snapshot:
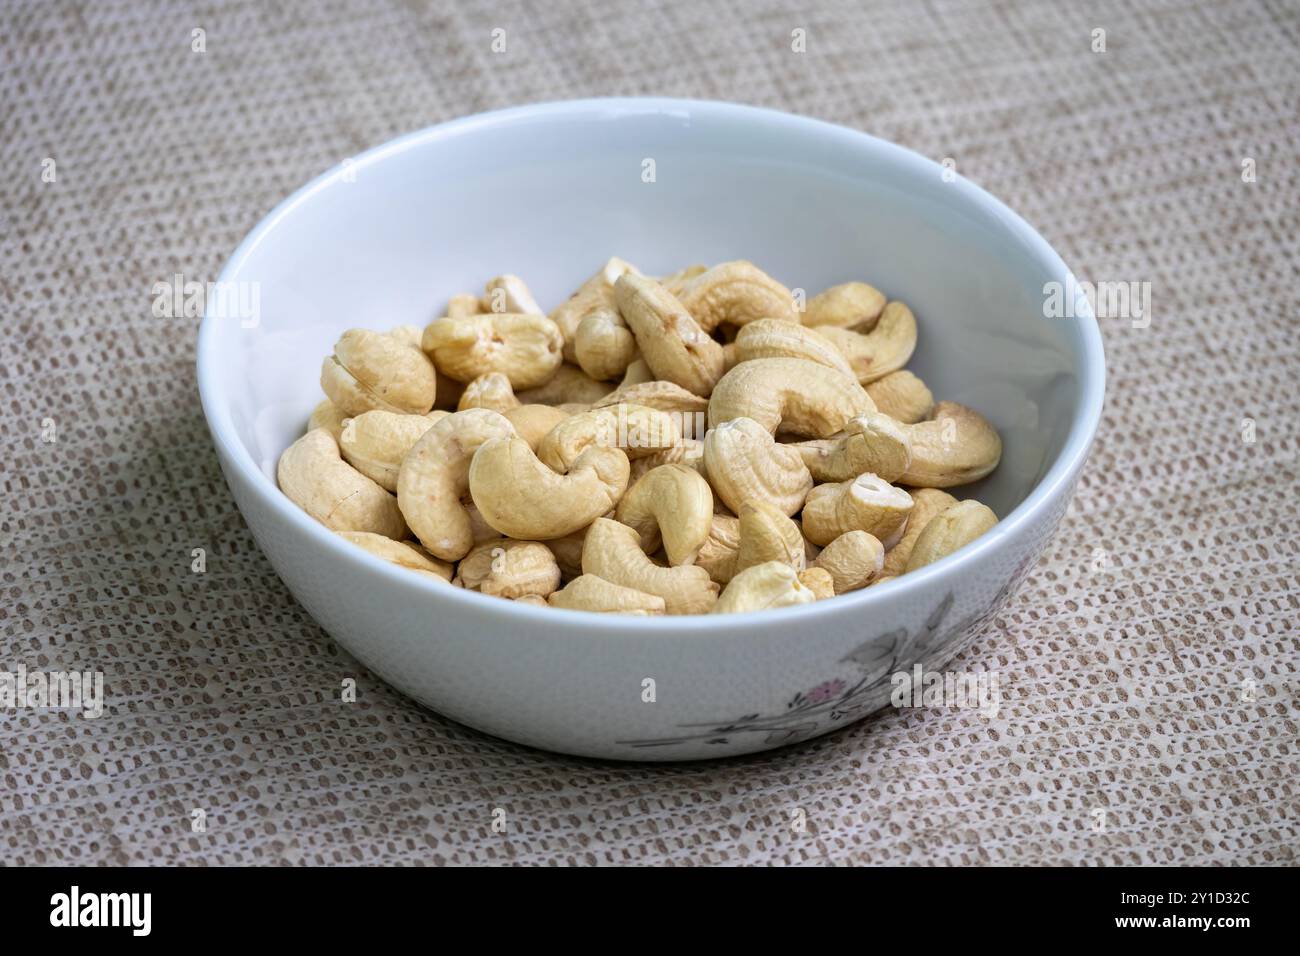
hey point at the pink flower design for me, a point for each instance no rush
(826, 691)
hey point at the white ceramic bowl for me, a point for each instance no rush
(548, 192)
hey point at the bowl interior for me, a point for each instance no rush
(550, 192)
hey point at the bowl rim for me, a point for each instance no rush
(1053, 484)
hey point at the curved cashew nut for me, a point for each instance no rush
(884, 349)
(867, 503)
(778, 338)
(852, 559)
(672, 503)
(603, 344)
(374, 443)
(853, 305)
(637, 430)
(403, 553)
(795, 394)
(595, 294)
(902, 396)
(761, 587)
(869, 443)
(665, 396)
(746, 465)
(322, 484)
(672, 344)
(534, 422)
(523, 498)
(525, 348)
(509, 293)
(613, 552)
(762, 533)
(510, 569)
(955, 447)
(590, 593)
(819, 581)
(569, 384)
(434, 476)
(374, 370)
(926, 504)
(947, 532)
(677, 281)
(491, 390)
(736, 293)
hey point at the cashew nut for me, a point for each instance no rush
(321, 483)
(510, 294)
(671, 503)
(746, 465)
(677, 281)
(510, 569)
(735, 293)
(884, 349)
(463, 304)
(762, 533)
(799, 396)
(926, 503)
(489, 391)
(853, 305)
(569, 384)
(637, 430)
(867, 503)
(326, 415)
(955, 447)
(522, 498)
(664, 396)
(638, 373)
(434, 476)
(613, 552)
(596, 294)
(947, 532)
(590, 593)
(778, 338)
(603, 344)
(526, 348)
(402, 553)
(869, 443)
(852, 559)
(763, 586)
(819, 581)
(672, 344)
(534, 422)
(374, 370)
(902, 396)
(374, 443)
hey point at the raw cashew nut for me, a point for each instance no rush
(534, 422)
(852, 559)
(568, 552)
(718, 552)
(853, 305)
(613, 552)
(510, 294)
(603, 344)
(569, 384)
(761, 587)
(672, 344)
(596, 294)
(326, 415)
(762, 533)
(884, 349)
(522, 498)
(746, 465)
(322, 484)
(434, 476)
(510, 569)
(526, 348)
(590, 593)
(638, 373)
(926, 504)
(869, 443)
(370, 370)
(402, 553)
(778, 338)
(902, 396)
(953, 529)
(799, 396)
(462, 304)
(489, 391)
(955, 447)
(637, 430)
(374, 443)
(677, 281)
(867, 503)
(819, 581)
(736, 293)
(664, 396)
(671, 503)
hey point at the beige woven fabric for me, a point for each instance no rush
(1148, 666)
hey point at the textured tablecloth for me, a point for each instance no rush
(1148, 665)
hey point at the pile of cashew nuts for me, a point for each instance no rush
(697, 443)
